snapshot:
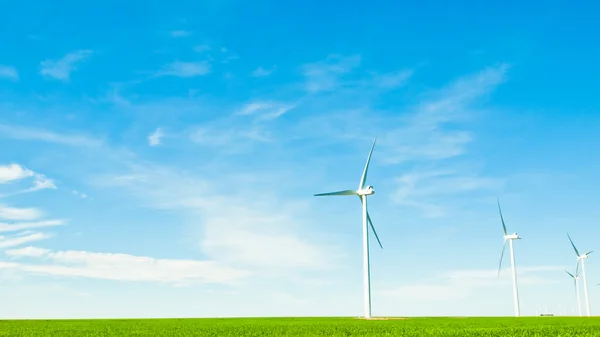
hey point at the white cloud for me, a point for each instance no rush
(61, 69)
(28, 251)
(228, 55)
(422, 135)
(252, 236)
(180, 33)
(324, 75)
(18, 240)
(13, 213)
(9, 72)
(35, 134)
(6, 265)
(186, 69)
(424, 141)
(237, 228)
(426, 189)
(80, 194)
(262, 72)
(125, 267)
(432, 135)
(12, 227)
(13, 172)
(232, 140)
(155, 137)
(265, 110)
(461, 284)
(41, 182)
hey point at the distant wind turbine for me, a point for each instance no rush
(362, 192)
(510, 239)
(581, 258)
(575, 279)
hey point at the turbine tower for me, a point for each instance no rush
(362, 192)
(581, 258)
(510, 239)
(576, 279)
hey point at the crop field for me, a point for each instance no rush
(489, 327)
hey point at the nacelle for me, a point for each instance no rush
(368, 190)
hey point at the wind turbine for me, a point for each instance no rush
(510, 239)
(575, 279)
(362, 192)
(581, 258)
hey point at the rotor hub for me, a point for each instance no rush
(368, 190)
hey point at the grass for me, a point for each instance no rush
(235, 327)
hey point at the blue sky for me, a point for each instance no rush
(160, 160)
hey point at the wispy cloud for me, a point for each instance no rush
(237, 228)
(325, 75)
(180, 33)
(424, 140)
(227, 219)
(6, 242)
(9, 72)
(265, 110)
(232, 140)
(28, 251)
(262, 72)
(80, 194)
(14, 213)
(40, 182)
(422, 135)
(233, 237)
(61, 69)
(461, 284)
(125, 267)
(28, 217)
(155, 137)
(234, 134)
(36, 134)
(13, 227)
(186, 69)
(432, 135)
(13, 172)
(425, 189)
(227, 55)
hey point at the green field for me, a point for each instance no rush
(489, 327)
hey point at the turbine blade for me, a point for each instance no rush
(572, 244)
(363, 179)
(588, 253)
(577, 268)
(502, 218)
(345, 192)
(574, 279)
(501, 255)
(374, 231)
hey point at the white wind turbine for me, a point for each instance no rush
(510, 238)
(362, 192)
(576, 279)
(581, 258)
